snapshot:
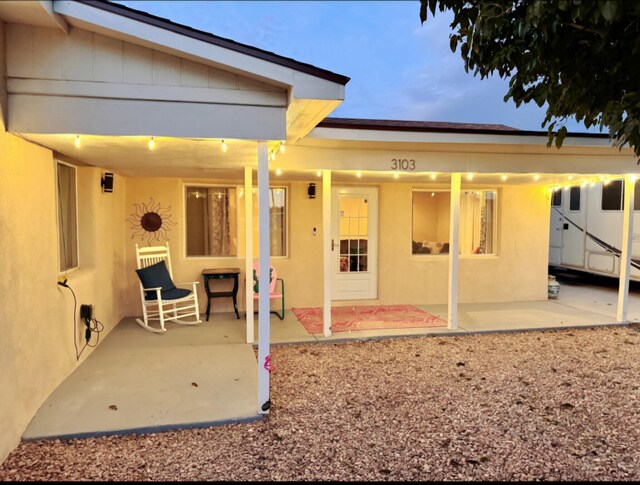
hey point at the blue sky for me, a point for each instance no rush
(399, 69)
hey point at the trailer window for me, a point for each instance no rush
(612, 196)
(556, 200)
(574, 199)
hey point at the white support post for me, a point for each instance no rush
(454, 236)
(627, 240)
(264, 315)
(327, 251)
(248, 251)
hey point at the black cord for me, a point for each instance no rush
(75, 319)
(93, 325)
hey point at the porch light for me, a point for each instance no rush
(358, 174)
(77, 142)
(223, 147)
(151, 144)
(504, 177)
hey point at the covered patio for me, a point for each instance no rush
(206, 375)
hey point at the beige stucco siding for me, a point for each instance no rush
(36, 348)
(518, 272)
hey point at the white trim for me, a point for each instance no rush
(75, 179)
(625, 254)
(454, 235)
(400, 136)
(248, 252)
(326, 252)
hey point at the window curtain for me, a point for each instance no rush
(217, 230)
(469, 223)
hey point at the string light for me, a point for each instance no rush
(272, 156)
(223, 146)
(433, 176)
(470, 176)
(504, 177)
(358, 174)
(282, 148)
(77, 141)
(151, 144)
(395, 175)
(570, 177)
(278, 171)
(319, 173)
(536, 177)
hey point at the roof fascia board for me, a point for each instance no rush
(508, 138)
(47, 6)
(124, 28)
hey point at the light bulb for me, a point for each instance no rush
(272, 156)
(570, 177)
(358, 174)
(319, 173)
(395, 175)
(433, 176)
(278, 171)
(470, 176)
(223, 147)
(504, 178)
(536, 177)
(77, 142)
(152, 144)
(282, 148)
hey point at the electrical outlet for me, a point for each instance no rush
(86, 312)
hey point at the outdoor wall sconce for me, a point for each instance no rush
(107, 182)
(311, 191)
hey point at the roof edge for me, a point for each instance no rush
(209, 38)
(420, 126)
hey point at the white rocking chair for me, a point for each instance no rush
(161, 299)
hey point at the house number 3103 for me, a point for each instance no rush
(403, 164)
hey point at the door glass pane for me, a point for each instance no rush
(354, 213)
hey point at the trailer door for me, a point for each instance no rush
(574, 226)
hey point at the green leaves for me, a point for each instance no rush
(576, 57)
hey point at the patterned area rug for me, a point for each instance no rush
(379, 317)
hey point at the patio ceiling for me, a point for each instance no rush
(204, 159)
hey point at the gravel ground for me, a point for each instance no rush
(557, 405)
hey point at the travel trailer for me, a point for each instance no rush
(586, 228)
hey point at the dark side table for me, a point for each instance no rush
(221, 274)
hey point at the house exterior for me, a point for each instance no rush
(199, 129)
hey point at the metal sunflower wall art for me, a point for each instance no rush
(151, 222)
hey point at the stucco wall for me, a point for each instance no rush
(37, 349)
(3, 76)
(518, 272)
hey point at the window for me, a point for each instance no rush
(556, 200)
(215, 221)
(574, 198)
(66, 190)
(612, 196)
(212, 228)
(478, 222)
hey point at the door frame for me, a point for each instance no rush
(372, 192)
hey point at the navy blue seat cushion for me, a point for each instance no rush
(173, 294)
(156, 276)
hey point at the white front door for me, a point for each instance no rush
(354, 242)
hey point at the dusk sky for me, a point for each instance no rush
(399, 69)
